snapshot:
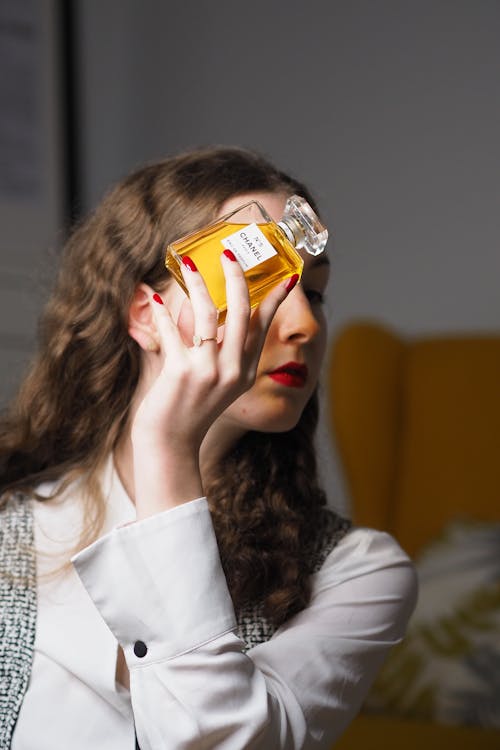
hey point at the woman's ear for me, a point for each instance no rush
(141, 324)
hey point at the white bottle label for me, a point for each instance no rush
(250, 246)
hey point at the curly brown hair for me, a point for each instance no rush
(74, 402)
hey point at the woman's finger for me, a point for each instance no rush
(185, 322)
(170, 337)
(263, 315)
(238, 307)
(204, 311)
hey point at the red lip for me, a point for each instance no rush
(291, 374)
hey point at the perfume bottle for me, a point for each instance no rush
(266, 250)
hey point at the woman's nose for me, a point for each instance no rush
(295, 317)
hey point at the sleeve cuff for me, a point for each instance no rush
(159, 583)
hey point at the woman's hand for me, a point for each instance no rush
(195, 385)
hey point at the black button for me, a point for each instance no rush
(140, 649)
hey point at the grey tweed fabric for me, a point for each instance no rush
(18, 607)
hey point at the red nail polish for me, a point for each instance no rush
(189, 263)
(291, 282)
(229, 254)
(157, 298)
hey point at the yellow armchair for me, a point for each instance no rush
(416, 424)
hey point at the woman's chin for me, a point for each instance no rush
(281, 421)
(265, 412)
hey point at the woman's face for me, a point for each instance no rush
(291, 359)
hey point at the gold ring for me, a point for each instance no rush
(198, 340)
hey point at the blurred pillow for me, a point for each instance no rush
(447, 669)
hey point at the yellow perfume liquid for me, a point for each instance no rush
(206, 246)
(266, 250)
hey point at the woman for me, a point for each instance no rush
(255, 619)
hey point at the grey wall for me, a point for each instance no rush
(31, 175)
(390, 109)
